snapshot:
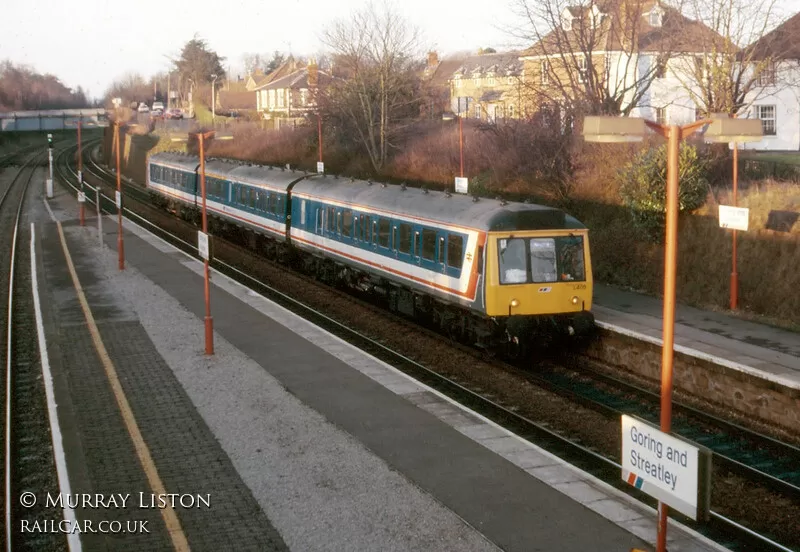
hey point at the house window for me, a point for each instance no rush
(304, 97)
(655, 17)
(477, 111)
(498, 111)
(661, 115)
(457, 82)
(510, 80)
(545, 72)
(661, 69)
(582, 68)
(477, 81)
(280, 97)
(767, 75)
(491, 81)
(767, 115)
(271, 98)
(510, 111)
(566, 23)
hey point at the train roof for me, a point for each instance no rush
(271, 177)
(456, 209)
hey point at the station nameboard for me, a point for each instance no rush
(735, 218)
(202, 245)
(461, 185)
(666, 467)
(320, 167)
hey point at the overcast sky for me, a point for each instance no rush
(92, 42)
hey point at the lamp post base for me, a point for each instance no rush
(121, 249)
(209, 335)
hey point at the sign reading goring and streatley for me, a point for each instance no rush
(666, 467)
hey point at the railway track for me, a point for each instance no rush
(27, 455)
(589, 457)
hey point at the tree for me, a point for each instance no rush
(197, 63)
(23, 88)
(131, 87)
(377, 51)
(725, 78)
(587, 57)
(643, 187)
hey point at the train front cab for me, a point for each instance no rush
(539, 282)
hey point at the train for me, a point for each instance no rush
(497, 274)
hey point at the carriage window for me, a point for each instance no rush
(303, 212)
(455, 250)
(383, 232)
(513, 261)
(405, 238)
(428, 244)
(367, 229)
(417, 244)
(339, 224)
(331, 224)
(543, 259)
(279, 208)
(570, 258)
(347, 223)
(394, 238)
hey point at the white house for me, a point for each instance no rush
(776, 101)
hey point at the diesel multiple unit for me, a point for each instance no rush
(488, 271)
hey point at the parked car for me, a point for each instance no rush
(173, 113)
(158, 106)
(143, 108)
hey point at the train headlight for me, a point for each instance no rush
(515, 303)
(575, 300)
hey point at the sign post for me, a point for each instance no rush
(667, 468)
(736, 218)
(49, 183)
(202, 245)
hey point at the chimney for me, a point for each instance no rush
(433, 60)
(313, 73)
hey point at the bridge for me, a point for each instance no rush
(52, 119)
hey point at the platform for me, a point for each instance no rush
(759, 350)
(301, 440)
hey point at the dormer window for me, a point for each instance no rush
(656, 15)
(566, 23)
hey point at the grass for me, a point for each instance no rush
(790, 157)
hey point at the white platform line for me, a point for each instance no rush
(73, 538)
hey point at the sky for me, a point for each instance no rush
(91, 43)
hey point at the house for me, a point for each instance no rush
(234, 96)
(775, 99)
(633, 54)
(436, 83)
(488, 87)
(287, 100)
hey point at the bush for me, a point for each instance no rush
(643, 187)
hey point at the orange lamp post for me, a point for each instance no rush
(203, 236)
(120, 242)
(628, 129)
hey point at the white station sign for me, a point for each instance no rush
(667, 468)
(320, 167)
(119, 200)
(202, 244)
(735, 218)
(462, 184)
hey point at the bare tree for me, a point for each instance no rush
(376, 50)
(726, 76)
(596, 57)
